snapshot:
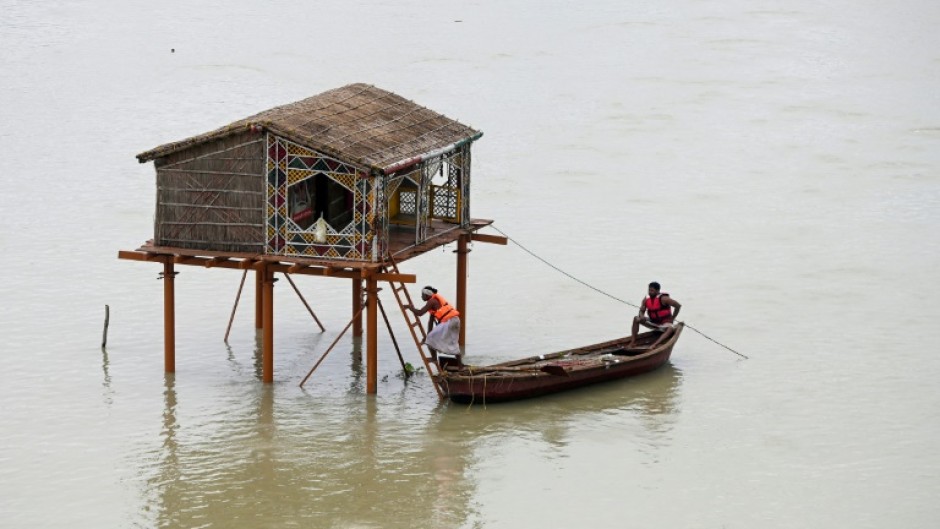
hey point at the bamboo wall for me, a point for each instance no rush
(211, 196)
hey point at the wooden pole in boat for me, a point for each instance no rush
(169, 317)
(267, 355)
(462, 286)
(259, 301)
(357, 306)
(235, 306)
(372, 347)
(304, 301)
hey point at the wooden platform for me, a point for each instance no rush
(401, 245)
(365, 276)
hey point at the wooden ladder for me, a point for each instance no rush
(418, 334)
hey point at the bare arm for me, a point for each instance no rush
(674, 304)
(431, 304)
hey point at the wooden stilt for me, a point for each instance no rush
(330, 348)
(267, 355)
(235, 306)
(357, 306)
(169, 318)
(388, 325)
(259, 301)
(304, 301)
(462, 286)
(372, 337)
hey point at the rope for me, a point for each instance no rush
(599, 291)
(717, 342)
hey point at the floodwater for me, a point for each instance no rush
(775, 165)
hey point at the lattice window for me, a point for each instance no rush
(445, 202)
(408, 201)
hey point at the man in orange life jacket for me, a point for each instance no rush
(443, 323)
(659, 314)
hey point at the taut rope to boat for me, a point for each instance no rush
(599, 291)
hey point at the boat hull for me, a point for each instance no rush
(556, 372)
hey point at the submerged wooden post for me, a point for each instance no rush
(357, 307)
(462, 286)
(267, 355)
(104, 336)
(372, 337)
(169, 318)
(259, 309)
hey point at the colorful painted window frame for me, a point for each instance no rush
(289, 163)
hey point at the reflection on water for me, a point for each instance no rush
(258, 355)
(274, 458)
(651, 399)
(254, 466)
(108, 391)
(167, 500)
(357, 366)
(356, 461)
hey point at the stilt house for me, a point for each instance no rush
(332, 177)
(347, 184)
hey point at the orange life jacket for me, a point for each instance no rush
(445, 312)
(658, 312)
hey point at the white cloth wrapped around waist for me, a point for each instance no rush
(444, 337)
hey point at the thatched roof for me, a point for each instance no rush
(358, 123)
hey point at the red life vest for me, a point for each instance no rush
(445, 312)
(658, 312)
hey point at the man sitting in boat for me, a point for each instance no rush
(443, 324)
(659, 314)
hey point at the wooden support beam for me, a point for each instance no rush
(267, 355)
(462, 252)
(235, 306)
(304, 301)
(214, 261)
(169, 318)
(396, 278)
(185, 259)
(357, 306)
(132, 256)
(391, 334)
(330, 348)
(141, 256)
(372, 337)
(272, 265)
(492, 239)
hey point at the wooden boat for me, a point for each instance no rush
(550, 373)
